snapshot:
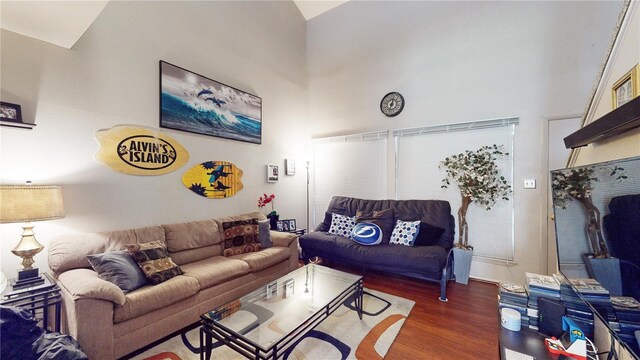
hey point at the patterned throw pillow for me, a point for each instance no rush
(342, 225)
(240, 237)
(405, 232)
(153, 259)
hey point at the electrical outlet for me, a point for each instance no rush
(529, 183)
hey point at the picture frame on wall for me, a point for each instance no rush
(10, 112)
(290, 167)
(194, 103)
(626, 88)
(272, 173)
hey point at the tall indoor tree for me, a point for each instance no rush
(477, 175)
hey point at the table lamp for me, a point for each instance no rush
(26, 203)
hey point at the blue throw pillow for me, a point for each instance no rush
(366, 234)
(118, 267)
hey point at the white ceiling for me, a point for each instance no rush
(313, 8)
(63, 22)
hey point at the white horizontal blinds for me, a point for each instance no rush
(353, 165)
(418, 154)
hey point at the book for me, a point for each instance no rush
(546, 282)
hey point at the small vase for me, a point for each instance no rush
(462, 264)
(273, 220)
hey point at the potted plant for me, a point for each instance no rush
(273, 215)
(577, 184)
(478, 178)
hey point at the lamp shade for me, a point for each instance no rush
(24, 203)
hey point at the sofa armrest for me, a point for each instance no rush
(86, 284)
(282, 239)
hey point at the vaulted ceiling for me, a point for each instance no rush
(63, 22)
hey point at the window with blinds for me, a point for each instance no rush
(418, 154)
(353, 165)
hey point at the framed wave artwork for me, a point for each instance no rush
(194, 103)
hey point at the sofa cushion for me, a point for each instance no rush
(70, 251)
(263, 259)
(318, 241)
(382, 218)
(149, 298)
(119, 268)
(153, 259)
(341, 225)
(405, 232)
(423, 259)
(191, 235)
(215, 270)
(240, 236)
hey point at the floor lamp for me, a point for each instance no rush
(24, 204)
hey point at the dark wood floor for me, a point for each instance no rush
(466, 327)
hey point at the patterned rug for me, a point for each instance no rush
(341, 336)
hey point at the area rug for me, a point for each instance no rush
(341, 336)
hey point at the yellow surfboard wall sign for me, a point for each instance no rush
(140, 151)
(214, 179)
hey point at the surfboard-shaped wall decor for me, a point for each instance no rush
(140, 151)
(214, 179)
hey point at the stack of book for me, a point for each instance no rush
(577, 309)
(514, 297)
(596, 295)
(627, 310)
(540, 286)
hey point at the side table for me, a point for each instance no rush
(37, 299)
(298, 231)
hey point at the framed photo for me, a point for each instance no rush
(10, 112)
(272, 173)
(285, 225)
(288, 288)
(272, 290)
(626, 88)
(290, 166)
(292, 225)
(279, 226)
(194, 103)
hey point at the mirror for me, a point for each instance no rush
(597, 219)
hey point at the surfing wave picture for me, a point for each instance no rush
(194, 103)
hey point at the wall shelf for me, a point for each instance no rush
(622, 119)
(18, 125)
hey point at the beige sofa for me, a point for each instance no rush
(109, 324)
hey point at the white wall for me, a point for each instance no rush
(459, 62)
(110, 77)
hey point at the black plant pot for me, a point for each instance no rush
(273, 220)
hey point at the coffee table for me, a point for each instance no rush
(268, 322)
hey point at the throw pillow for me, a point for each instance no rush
(240, 237)
(366, 234)
(263, 232)
(382, 218)
(405, 232)
(428, 235)
(119, 268)
(341, 225)
(153, 259)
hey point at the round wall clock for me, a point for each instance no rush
(392, 104)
